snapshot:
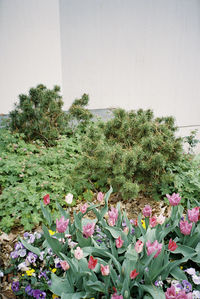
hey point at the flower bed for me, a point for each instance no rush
(110, 256)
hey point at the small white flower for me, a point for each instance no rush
(1, 274)
(69, 198)
(196, 279)
(196, 294)
(190, 271)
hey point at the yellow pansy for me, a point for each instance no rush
(181, 267)
(53, 270)
(143, 224)
(51, 232)
(30, 272)
(54, 296)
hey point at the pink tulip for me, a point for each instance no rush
(139, 246)
(147, 211)
(78, 253)
(119, 242)
(155, 246)
(83, 208)
(174, 199)
(193, 215)
(153, 221)
(183, 295)
(161, 219)
(46, 199)
(100, 196)
(185, 227)
(105, 271)
(61, 225)
(116, 296)
(65, 266)
(113, 215)
(171, 293)
(88, 229)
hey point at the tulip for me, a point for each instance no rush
(119, 242)
(193, 214)
(155, 246)
(100, 196)
(172, 245)
(105, 270)
(147, 211)
(116, 296)
(92, 263)
(46, 199)
(78, 253)
(88, 229)
(61, 225)
(69, 198)
(65, 266)
(161, 219)
(113, 215)
(185, 227)
(153, 221)
(133, 274)
(174, 199)
(83, 208)
(171, 293)
(139, 246)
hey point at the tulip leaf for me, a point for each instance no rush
(153, 291)
(46, 214)
(60, 285)
(53, 243)
(77, 295)
(30, 247)
(178, 274)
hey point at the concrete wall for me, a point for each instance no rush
(29, 47)
(133, 54)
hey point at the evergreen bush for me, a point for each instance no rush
(131, 152)
(39, 115)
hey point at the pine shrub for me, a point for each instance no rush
(131, 152)
(39, 115)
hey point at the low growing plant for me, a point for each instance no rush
(28, 171)
(111, 256)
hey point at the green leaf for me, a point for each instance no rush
(53, 243)
(178, 274)
(30, 247)
(77, 295)
(105, 208)
(60, 285)
(153, 291)
(46, 214)
(115, 231)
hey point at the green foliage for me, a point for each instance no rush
(184, 179)
(28, 171)
(39, 115)
(131, 152)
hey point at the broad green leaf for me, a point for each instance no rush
(115, 231)
(53, 243)
(153, 291)
(60, 285)
(178, 274)
(77, 295)
(46, 214)
(30, 247)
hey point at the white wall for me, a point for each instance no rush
(133, 54)
(29, 47)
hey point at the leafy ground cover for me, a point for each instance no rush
(28, 171)
(110, 256)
